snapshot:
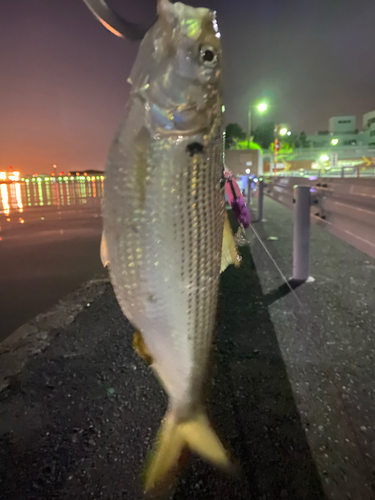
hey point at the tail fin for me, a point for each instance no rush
(196, 434)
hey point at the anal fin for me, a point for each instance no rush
(140, 348)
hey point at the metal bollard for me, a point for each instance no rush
(301, 242)
(249, 183)
(260, 201)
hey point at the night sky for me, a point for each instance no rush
(63, 76)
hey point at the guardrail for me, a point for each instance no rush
(343, 172)
(345, 207)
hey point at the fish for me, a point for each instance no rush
(166, 235)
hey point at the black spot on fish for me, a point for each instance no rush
(194, 148)
(151, 298)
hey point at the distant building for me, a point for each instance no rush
(342, 131)
(341, 145)
(88, 172)
(368, 125)
(342, 125)
(244, 162)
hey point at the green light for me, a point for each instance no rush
(334, 142)
(324, 158)
(33, 180)
(262, 107)
(192, 28)
(39, 179)
(66, 178)
(27, 180)
(60, 178)
(283, 131)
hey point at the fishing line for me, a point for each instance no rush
(276, 265)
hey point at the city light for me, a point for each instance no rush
(283, 131)
(19, 197)
(247, 170)
(3, 176)
(14, 176)
(324, 158)
(334, 142)
(5, 199)
(262, 107)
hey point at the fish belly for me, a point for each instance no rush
(163, 223)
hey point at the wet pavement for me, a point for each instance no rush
(48, 233)
(292, 392)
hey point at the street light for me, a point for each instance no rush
(261, 107)
(324, 158)
(248, 171)
(278, 130)
(334, 142)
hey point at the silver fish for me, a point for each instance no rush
(164, 219)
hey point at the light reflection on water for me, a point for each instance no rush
(39, 192)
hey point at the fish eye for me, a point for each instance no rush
(208, 56)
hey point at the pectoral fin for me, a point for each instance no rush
(140, 348)
(103, 252)
(229, 253)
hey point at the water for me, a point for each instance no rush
(49, 243)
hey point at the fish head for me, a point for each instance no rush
(178, 68)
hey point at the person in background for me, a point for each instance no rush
(236, 199)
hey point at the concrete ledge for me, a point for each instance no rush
(33, 337)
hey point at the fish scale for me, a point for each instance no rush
(185, 214)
